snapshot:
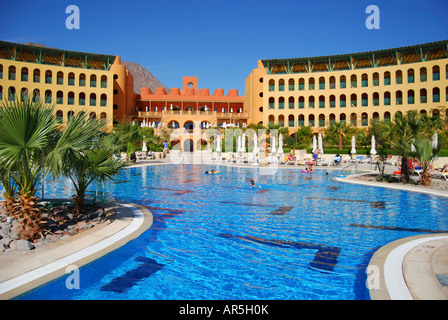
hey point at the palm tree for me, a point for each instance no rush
(93, 163)
(340, 129)
(426, 153)
(26, 132)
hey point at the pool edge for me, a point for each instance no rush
(79, 250)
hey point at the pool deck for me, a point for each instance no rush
(413, 268)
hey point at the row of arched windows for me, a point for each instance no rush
(412, 97)
(321, 120)
(60, 115)
(35, 76)
(354, 82)
(49, 97)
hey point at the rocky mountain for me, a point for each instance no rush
(142, 77)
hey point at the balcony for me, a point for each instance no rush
(223, 116)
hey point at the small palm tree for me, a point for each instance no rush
(426, 153)
(92, 163)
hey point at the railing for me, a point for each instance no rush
(160, 114)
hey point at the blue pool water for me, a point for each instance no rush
(301, 236)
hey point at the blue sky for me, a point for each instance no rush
(221, 41)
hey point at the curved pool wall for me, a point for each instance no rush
(300, 236)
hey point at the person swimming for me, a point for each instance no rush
(252, 184)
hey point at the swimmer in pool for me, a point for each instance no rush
(252, 184)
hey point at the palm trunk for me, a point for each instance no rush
(404, 170)
(28, 216)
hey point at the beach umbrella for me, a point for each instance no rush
(243, 143)
(238, 144)
(321, 147)
(353, 151)
(144, 149)
(435, 140)
(314, 143)
(373, 150)
(280, 144)
(256, 150)
(273, 150)
(218, 142)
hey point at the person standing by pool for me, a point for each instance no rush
(316, 156)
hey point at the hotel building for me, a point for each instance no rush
(351, 88)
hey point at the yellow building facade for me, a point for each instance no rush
(351, 88)
(71, 81)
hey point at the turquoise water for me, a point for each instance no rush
(300, 236)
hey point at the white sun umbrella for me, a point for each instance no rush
(314, 143)
(256, 150)
(144, 149)
(218, 142)
(373, 150)
(435, 140)
(321, 146)
(243, 143)
(353, 151)
(238, 144)
(280, 144)
(273, 149)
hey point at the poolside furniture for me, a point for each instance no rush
(356, 160)
(445, 175)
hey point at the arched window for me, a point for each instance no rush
(281, 85)
(387, 98)
(398, 77)
(82, 99)
(342, 101)
(311, 120)
(331, 119)
(398, 98)
(291, 121)
(332, 82)
(423, 96)
(36, 95)
(59, 116)
(1, 71)
(411, 97)
(48, 96)
(301, 120)
(36, 75)
(375, 115)
(386, 78)
(364, 119)
(435, 73)
(301, 84)
(342, 82)
(411, 76)
(12, 73)
(92, 115)
(103, 81)
(321, 120)
(71, 98)
(103, 100)
(364, 100)
(321, 83)
(342, 118)
(24, 94)
(321, 101)
(271, 120)
(103, 117)
(60, 78)
(353, 81)
(291, 85)
(387, 116)
(272, 85)
(24, 74)
(311, 102)
(92, 99)
(82, 80)
(48, 77)
(311, 83)
(364, 80)
(271, 103)
(301, 102)
(423, 74)
(354, 119)
(376, 79)
(70, 115)
(376, 99)
(332, 101)
(1, 93)
(281, 120)
(59, 97)
(281, 103)
(436, 95)
(71, 79)
(93, 81)
(291, 102)
(353, 100)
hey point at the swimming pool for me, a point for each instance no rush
(300, 236)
